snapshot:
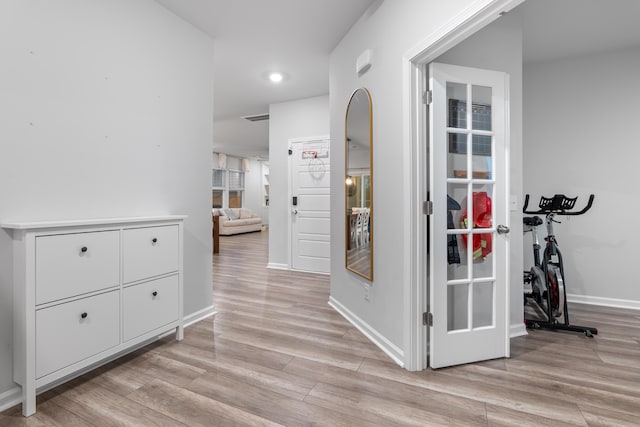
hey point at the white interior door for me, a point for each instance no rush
(310, 206)
(468, 235)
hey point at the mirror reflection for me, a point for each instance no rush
(358, 185)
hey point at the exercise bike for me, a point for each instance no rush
(545, 288)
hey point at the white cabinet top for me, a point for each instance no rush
(32, 225)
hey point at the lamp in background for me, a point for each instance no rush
(222, 161)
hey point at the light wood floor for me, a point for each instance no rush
(277, 354)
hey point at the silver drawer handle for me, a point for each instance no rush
(84, 315)
(154, 241)
(83, 250)
(154, 293)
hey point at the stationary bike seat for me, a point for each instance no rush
(532, 221)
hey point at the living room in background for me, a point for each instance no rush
(217, 188)
(236, 188)
(227, 182)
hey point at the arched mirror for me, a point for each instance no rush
(359, 184)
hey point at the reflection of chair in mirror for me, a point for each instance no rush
(356, 227)
(353, 229)
(364, 226)
(359, 228)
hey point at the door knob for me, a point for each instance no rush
(295, 211)
(503, 229)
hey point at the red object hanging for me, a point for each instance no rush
(481, 219)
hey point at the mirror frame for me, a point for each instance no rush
(368, 277)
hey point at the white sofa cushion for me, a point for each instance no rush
(231, 213)
(246, 213)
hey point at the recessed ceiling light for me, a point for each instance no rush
(276, 77)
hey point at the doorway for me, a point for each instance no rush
(310, 192)
(468, 226)
(465, 44)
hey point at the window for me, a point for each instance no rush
(236, 180)
(358, 191)
(227, 188)
(217, 188)
(217, 196)
(235, 199)
(217, 179)
(236, 189)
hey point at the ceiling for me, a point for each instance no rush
(255, 37)
(554, 29)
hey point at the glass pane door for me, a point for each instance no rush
(469, 181)
(468, 279)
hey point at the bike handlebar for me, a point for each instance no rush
(559, 204)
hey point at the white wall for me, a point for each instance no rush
(499, 47)
(390, 29)
(296, 119)
(232, 163)
(579, 138)
(265, 182)
(106, 111)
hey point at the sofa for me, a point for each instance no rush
(234, 221)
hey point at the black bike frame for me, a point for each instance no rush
(559, 204)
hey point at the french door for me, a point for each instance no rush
(468, 230)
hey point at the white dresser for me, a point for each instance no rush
(90, 290)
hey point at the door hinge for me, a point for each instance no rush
(427, 319)
(427, 97)
(427, 207)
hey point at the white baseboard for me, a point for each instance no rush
(10, 398)
(393, 351)
(517, 330)
(607, 302)
(199, 315)
(325, 273)
(278, 266)
(13, 396)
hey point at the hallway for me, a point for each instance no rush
(277, 354)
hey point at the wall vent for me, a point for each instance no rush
(257, 117)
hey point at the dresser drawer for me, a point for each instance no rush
(74, 264)
(149, 252)
(70, 332)
(149, 305)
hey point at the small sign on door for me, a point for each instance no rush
(309, 154)
(315, 154)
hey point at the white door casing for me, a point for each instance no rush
(468, 239)
(310, 216)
